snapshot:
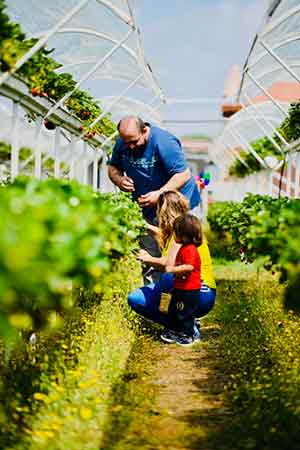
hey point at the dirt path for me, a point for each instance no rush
(189, 397)
(176, 404)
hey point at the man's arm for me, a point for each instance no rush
(119, 179)
(175, 182)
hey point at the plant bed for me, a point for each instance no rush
(57, 397)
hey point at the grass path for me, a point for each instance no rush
(172, 399)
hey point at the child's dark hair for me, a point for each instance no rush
(188, 230)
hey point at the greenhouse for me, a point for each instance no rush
(149, 232)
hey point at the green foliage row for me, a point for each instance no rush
(56, 235)
(267, 227)
(259, 347)
(59, 395)
(40, 76)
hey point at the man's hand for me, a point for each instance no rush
(126, 184)
(149, 199)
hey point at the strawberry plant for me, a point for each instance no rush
(266, 227)
(55, 236)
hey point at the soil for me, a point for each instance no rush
(176, 402)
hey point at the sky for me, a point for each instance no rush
(191, 46)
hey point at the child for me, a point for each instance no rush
(187, 283)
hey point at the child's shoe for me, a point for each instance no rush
(169, 336)
(184, 340)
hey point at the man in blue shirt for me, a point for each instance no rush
(148, 160)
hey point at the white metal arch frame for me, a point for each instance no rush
(142, 69)
(89, 73)
(247, 119)
(97, 34)
(273, 24)
(272, 51)
(270, 46)
(44, 39)
(270, 71)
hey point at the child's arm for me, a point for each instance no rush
(179, 269)
(155, 230)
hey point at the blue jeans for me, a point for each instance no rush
(183, 310)
(145, 300)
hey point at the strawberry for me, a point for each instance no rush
(34, 91)
(49, 125)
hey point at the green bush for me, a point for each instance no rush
(55, 235)
(58, 394)
(259, 345)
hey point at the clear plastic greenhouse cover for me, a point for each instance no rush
(92, 39)
(271, 81)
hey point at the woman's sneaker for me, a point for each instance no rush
(184, 340)
(169, 336)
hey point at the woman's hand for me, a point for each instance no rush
(144, 256)
(149, 199)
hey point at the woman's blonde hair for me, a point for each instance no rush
(170, 205)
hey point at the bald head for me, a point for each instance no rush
(134, 132)
(131, 124)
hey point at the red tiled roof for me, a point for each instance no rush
(283, 91)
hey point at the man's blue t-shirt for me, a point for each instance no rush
(161, 158)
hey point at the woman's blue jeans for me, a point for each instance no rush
(145, 300)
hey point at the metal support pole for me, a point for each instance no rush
(117, 12)
(103, 173)
(15, 142)
(288, 175)
(56, 153)
(37, 151)
(95, 174)
(72, 162)
(84, 167)
(270, 175)
(297, 176)
(85, 171)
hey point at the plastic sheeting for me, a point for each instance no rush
(130, 106)
(246, 126)
(275, 57)
(89, 33)
(270, 82)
